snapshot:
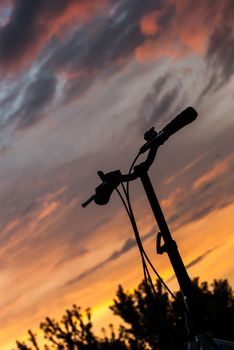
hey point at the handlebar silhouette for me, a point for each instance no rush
(184, 118)
(111, 180)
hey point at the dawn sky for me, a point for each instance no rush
(81, 81)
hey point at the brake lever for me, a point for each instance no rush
(110, 182)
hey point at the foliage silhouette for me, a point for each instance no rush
(151, 321)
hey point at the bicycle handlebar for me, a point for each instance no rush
(184, 118)
(111, 180)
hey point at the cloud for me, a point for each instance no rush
(27, 203)
(77, 86)
(219, 169)
(37, 96)
(180, 31)
(41, 209)
(129, 244)
(75, 55)
(103, 44)
(148, 23)
(32, 24)
(50, 234)
(209, 192)
(220, 50)
(158, 102)
(184, 170)
(26, 101)
(220, 53)
(196, 260)
(200, 258)
(69, 59)
(47, 209)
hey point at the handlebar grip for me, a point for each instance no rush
(184, 118)
(88, 201)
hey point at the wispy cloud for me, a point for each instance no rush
(217, 170)
(196, 260)
(31, 26)
(129, 244)
(87, 53)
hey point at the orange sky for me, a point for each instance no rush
(80, 84)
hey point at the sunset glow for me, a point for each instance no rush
(81, 81)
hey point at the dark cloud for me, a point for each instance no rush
(102, 46)
(99, 47)
(158, 102)
(162, 108)
(220, 51)
(31, 22)
(77, 86)
(200, 258)
(196, 260)
(91, 50)
(26, 100)
(29, 25)
(165, 19)
(37, 96)
(210, 85)
(128, 245)
(186, 215)
(20, 32)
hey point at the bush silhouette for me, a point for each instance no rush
(151, 321)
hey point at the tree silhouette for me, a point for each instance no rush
(151, 321)
(151, 318)
(73, 332)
